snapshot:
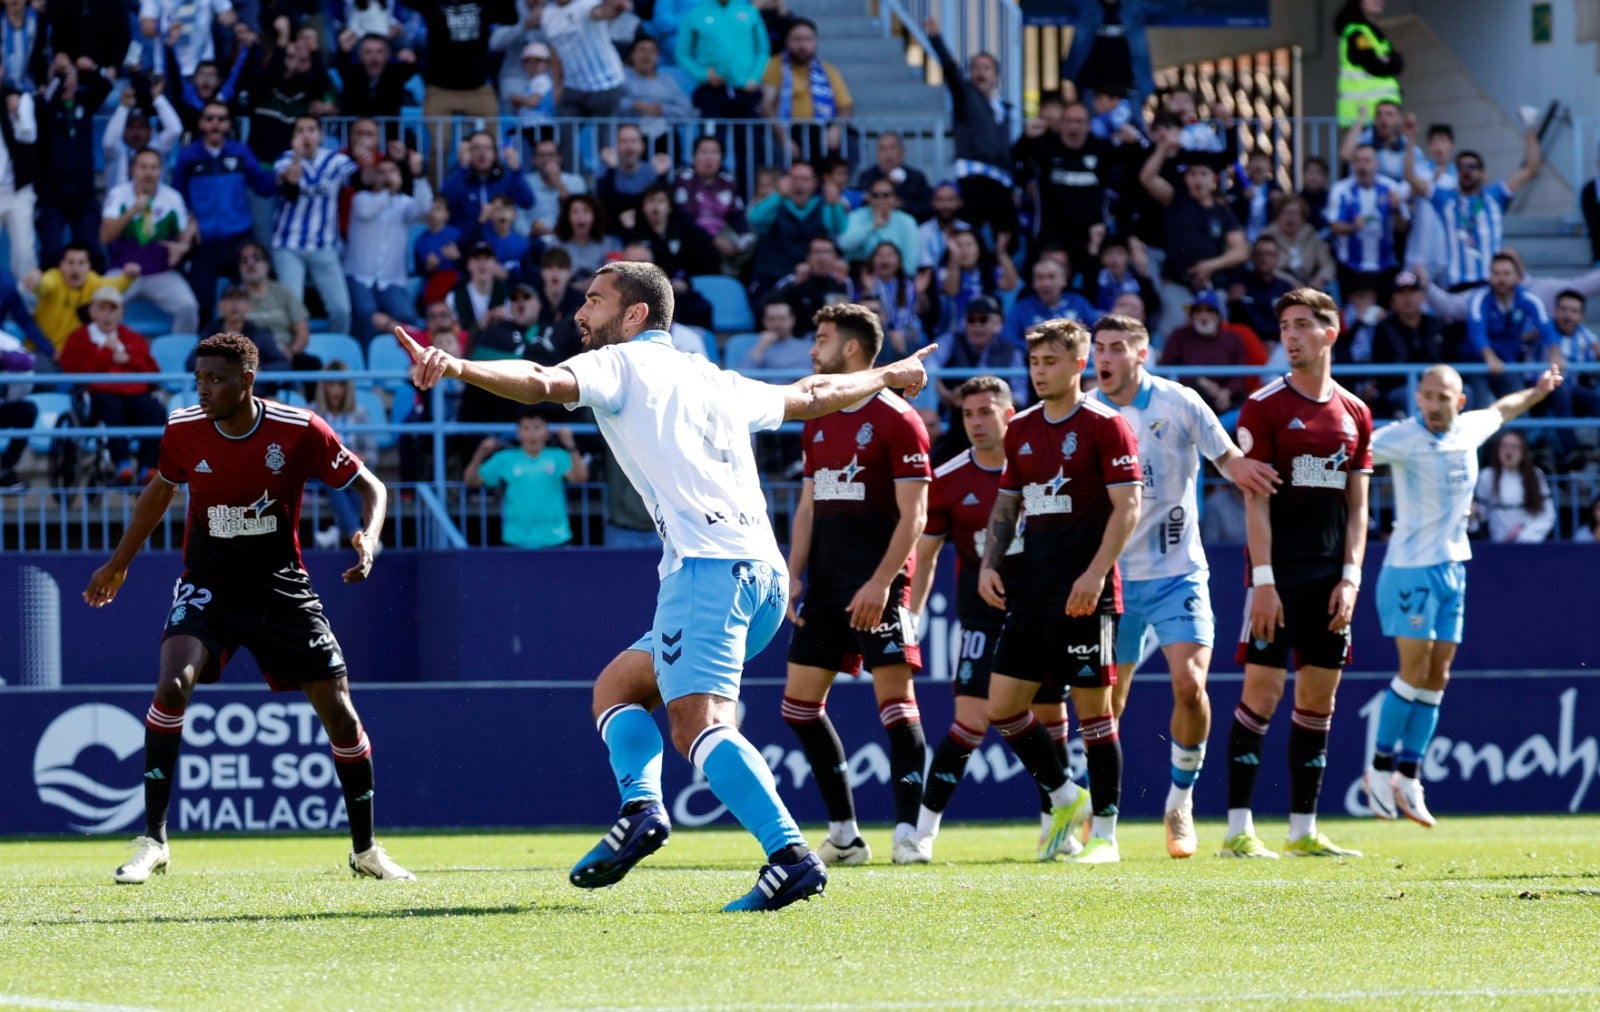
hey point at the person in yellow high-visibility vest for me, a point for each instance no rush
(1369, 67)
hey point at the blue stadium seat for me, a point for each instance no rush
(730, 305)
(51, 407)
(386, 353)
(738, 347)
(377, 414)
(710, 339)
(146, 317)
(171, 352)
(340, 348)
(187, 398)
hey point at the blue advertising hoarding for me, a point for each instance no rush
(527, 755)
(472, 673)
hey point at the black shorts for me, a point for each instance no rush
(283, 628)
(1305, 631)
(976, 659)
(1059, 651)
(827, 641)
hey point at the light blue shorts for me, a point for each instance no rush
(713, 615)
(1177, 608)
(1423, 602)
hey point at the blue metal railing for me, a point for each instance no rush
(437, 510)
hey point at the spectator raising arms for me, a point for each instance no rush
(305, 236)
(145, 222)
(534, 512)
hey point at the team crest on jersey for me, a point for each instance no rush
(839, 485)
(1158, 428)
(1311, 471)
(275, 459)
(863, 435)
(1069, 446)
(1041, 497)
(1246, 440)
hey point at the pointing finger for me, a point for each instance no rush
(923, 353)
(408, 343)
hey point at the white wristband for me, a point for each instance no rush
(1352, 575)
(1261, 576)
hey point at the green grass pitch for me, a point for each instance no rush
(1501, 912)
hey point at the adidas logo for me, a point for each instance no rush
(1248, 759)
(1027, 448)
(1297, 424)
(892, 648)
(970, 500)
(817, 438)
(1317, 762)
(202, 467)
(154, 775)
(1086, 672)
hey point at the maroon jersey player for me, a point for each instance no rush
(246, 462)
(861, 510)
(1306, 544)
(1072, 475)
(959, 503)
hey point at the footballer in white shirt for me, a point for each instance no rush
(1423, 584)
(1164, 571)
(680, 429)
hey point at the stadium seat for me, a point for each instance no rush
(730, 305)
(387, 354)
(180, 399)
(710, 339)
(171, 352)
(338, 348)
(737, 348)
(146, 317)
(377, 414)
(51, 407)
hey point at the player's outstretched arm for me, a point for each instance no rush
(374, 505)
(147, 513)
(1250, 475)
(513, 379)
(1512, 405)
(821, 394)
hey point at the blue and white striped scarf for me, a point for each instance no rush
(18, 44)
(823, 106)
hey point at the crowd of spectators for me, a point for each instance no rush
(225, 203)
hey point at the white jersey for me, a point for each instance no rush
(1172, 422)
(1434, 476)
(680, 429)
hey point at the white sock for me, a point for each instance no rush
(902, 830)
(1066, 794)
(1302, 824)
(843, 833)
(928, 823)
(1105, 827)
(1240, 820)
(1177, 797)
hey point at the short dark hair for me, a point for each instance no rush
(1264, 238)
(1508, 258)
(231, 346)
(225, 107)
(372, 37)
(1318, 161)
(643, 283)
(986, 385)
(1125, 324)
(799, 23)
(1441, 130)
(72, 247)
(308, 118)
(146, 151)
(1321, 305)
(854, 323)
(1070, 334)
(1572, 293)
(704, 139)
(557, 257)
(1469, 153)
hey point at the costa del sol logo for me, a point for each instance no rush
(96, 807)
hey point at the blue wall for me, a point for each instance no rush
(1518, 733)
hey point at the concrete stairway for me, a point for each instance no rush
(873, 65)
